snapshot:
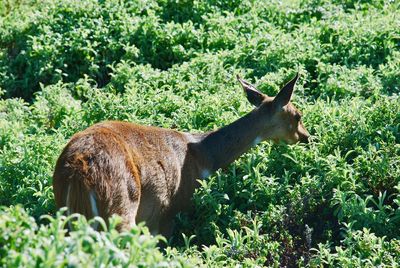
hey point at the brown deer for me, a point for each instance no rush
(145, 173)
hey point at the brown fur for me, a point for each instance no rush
(149, 174)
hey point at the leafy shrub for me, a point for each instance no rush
(50, 48)
(333, 202)
(24, 243)
(359, 248)
(342, 81)
(390, 73)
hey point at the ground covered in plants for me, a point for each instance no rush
(67, 64)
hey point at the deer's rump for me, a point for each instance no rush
(97, 176)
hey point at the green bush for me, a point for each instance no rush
(24, 243)
(358, 249)
(65, 65)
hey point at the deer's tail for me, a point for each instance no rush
(80, 199)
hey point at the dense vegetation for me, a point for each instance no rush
(67, 64)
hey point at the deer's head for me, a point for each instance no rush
(282, 120)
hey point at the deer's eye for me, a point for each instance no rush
(297, 117)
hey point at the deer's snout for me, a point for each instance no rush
(305, 138)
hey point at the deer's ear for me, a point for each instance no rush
(254, 96)
(285, 94)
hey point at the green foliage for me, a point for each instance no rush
(359, 248)
(24, 243)
(65, 65)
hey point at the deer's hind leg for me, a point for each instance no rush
(120, 196)
(124, 199)
(116, 180)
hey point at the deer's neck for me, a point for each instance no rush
(221, 147)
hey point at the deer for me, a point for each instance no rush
(149, 174)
